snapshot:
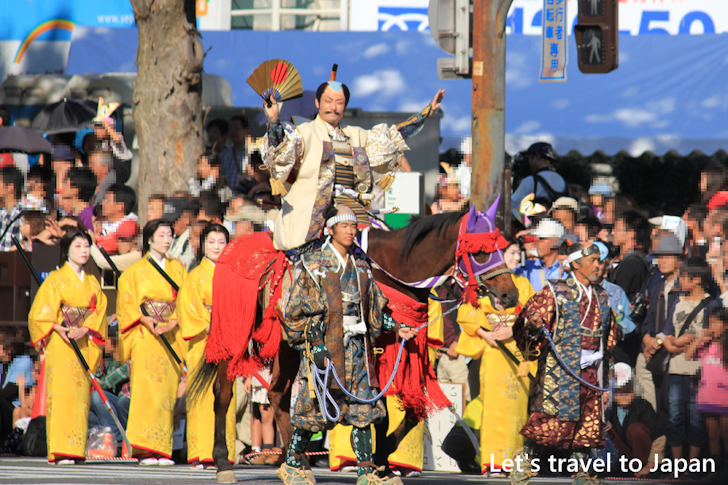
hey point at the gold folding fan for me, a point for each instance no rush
(276, 77)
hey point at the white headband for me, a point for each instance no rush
(340, 218)
(593, 249)
(574, 256)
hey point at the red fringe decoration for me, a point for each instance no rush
(487, 242)
(415, 383)
(234, 302)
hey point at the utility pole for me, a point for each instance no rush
(489, 103)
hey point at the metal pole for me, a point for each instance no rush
(489, 100)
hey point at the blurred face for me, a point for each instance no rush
(4, 353)
(597, 200)
(512, 256)
(621, 235)
(96, 164)
(588, 266)
(35, 187)
(688, 284)
(100, 131)
(703, 182)
(237, 133)
(566, 217)
(161, 240)
(668, 263)
(243, 227)
(451, 192)
(235, 205)
(581, 231)
(215, 243)
(155, 209)
(544, 246)
(332, 105)
(182, 223)
(203, 168)
(624, 399)
(343, 233)
(110, 208)
(126, 245)
(214, 137)
(79, 251)
(24, 228)
(717, 327)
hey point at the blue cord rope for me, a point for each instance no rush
(567, 368)
(322, 389)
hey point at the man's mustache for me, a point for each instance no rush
(333, 113)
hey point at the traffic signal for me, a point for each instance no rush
(597, 36)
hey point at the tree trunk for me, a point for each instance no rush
(167, 101)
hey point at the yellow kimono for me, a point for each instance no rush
(410, 452)
(505, 407)
(67, 384)
(194, 303)
(154, 374)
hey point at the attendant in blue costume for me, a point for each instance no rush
(320, 162)
(564, 413)
(334, 314)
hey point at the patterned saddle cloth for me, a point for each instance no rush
(158, 310)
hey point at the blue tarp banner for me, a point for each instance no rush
(670, 92)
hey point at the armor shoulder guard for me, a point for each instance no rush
(316, 260)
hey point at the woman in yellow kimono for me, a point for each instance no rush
(69, 296)
(505, 394)
(155, 376)
(194, 305)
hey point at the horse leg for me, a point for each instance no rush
(285, 369)
(223, 390)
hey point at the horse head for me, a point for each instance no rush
(480, 248)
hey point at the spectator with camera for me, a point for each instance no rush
(547, 266)
(534, 168)
(632, 235)
(651, 308)
(618, 300)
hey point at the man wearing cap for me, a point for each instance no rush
(320, 162)
(180, 211)
(662, 292)
(598, 193)
(565, 210)
(541, 177)
(547, 266)
(334, 313)
(566, 414)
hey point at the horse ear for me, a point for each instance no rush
(472, 219)
(491, 213)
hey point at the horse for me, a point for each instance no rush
(422, 251)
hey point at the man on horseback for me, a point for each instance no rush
(320, 162)
(566, 404)
(333, 314)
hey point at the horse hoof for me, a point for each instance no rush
(227, 476)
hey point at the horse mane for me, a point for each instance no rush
(419, 227)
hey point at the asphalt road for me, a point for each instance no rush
(38, 471)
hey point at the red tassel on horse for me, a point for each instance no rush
(234, 304)
(415, 383)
